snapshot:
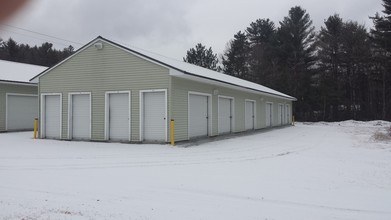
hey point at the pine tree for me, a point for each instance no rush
(355, 63)
(203, 57)
(382, 30)
(297, 56)
(262, 58)
(381, 36)
(44, 55)
(235, 58)
(329, 47)
(344, 53)
(10, 50)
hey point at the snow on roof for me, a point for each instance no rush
(186, 68)
(18, 72)
(195, 70)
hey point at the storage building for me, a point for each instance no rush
(110, 92)
(18, 97)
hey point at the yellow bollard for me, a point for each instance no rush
(35, 127)
(172, 131)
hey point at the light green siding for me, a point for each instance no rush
(114, 69)
(275, 102)
(99, 71)
(12, 88)
(180, 89)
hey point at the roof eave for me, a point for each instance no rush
(158, 62)
(17, 82)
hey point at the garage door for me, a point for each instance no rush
(249, 115)
(269, 114)
(52, 117)
(225, 115)
(288, 113)
(80, 117)
(119, 113)
(280, 114)
(21, 111)
(154, 116)
(198, 115)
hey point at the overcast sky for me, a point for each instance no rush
(167, 27)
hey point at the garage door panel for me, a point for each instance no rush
(288, 114)
(249, 115)
(21, 111)
(198, 116)
(280, 114)
(119, 117)
(269, 112)
(52, 117)
(154, 116)
(81, 116)
(225, 115)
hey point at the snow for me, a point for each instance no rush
(18, 72)
(204, 72)
(308, 171)
(188, 68)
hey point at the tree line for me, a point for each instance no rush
(342, 71)
(44, 55)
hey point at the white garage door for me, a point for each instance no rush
(119, 113)
(225, 115)
(198, 115)
(52, 117)
(21, 111)
(280, 114)
(154, 116)
(269, 114)
(288, 114)
(249, 115)
(81, 117)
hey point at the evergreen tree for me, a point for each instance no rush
(381, 36)
(235, 58)
(297, 56)
(44, 55)
(345, 65)
(355, 63)
(262, 57)
(330, 64)
(203, 57)
(382, 30)
(10, 50)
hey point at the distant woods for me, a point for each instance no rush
(44, 55)
(342, 71)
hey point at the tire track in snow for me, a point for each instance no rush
(274, 201)
(99, 165)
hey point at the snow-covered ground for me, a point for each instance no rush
(310, 171)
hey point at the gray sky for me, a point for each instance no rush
(167, 27)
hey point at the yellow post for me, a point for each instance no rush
(172, 132)
(293, 120)
(35, 127)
